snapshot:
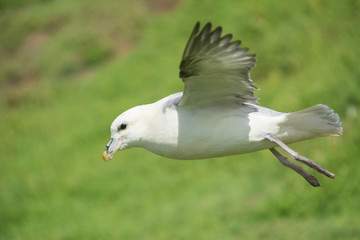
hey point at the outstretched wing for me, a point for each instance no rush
(215, 70)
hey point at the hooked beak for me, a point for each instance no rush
(113, 145)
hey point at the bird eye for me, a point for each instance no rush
(122, 126)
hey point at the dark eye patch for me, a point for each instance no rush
(122, 127)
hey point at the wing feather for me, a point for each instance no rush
(215, 70)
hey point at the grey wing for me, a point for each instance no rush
(215, 70)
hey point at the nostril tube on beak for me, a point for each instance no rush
(109, 143)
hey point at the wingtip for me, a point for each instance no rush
(208, 25)
(196, 27)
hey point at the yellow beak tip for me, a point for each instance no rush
(106, 156)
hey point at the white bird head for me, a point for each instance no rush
(126, 131)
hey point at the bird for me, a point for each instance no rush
(217, 114)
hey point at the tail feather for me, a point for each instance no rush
(316, 121)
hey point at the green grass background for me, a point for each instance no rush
(68, 68)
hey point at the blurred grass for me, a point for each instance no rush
(67, 69)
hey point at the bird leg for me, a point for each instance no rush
(308, 177)
(300, 158)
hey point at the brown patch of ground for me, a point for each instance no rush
(23, 60)
(162, 5)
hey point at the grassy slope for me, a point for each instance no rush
(54, 123)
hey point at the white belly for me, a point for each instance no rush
(204, 135)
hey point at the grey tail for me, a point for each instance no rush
(316, 121)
